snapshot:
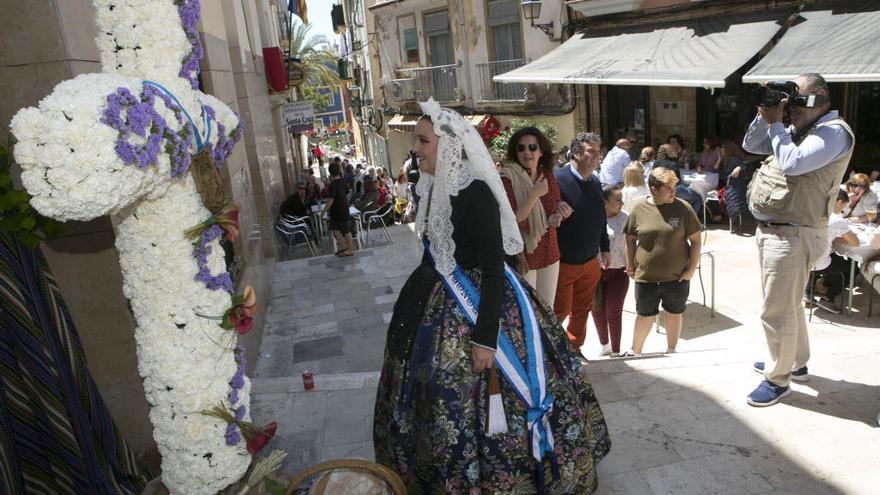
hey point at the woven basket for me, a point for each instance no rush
(347, 476)
(208, 181)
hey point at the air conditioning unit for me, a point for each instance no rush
(400, 90)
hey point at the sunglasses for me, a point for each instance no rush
(521, 147)
(857, 186)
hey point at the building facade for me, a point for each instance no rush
(46, 42)
(451, 50)
(334, 116)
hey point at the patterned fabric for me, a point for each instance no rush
(56, 435)
(431, 410)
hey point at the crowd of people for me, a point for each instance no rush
(368, 189)
(544, 237)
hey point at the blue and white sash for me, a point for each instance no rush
(529, 380)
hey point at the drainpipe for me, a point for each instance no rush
(467, 53)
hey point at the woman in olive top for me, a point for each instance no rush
(662, 252)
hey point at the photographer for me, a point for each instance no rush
(791, 196)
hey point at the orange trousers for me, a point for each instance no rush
(574, 297)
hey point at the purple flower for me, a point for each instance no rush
(189, 17)
(201, 251)
(239, 413)
(233, 396)
(137, 115)
(223, 148)
(233, 437)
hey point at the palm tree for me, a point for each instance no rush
(314, 55)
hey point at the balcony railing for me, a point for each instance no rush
(440, 81)
(493, 91)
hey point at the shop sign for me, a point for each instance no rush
(295, 74)
(299, 115)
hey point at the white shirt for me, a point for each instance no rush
(611, 170)
(837, 226)
(401, 190)
(631, 194)
(868, 201)
(617, 239)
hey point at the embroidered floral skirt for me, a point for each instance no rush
(431, 410)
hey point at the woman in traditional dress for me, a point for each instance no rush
(462, 314)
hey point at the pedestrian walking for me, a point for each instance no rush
(662, 252)
(582, 237)
(534, 196)
(462, 314)
(614, 283)
(337, 208)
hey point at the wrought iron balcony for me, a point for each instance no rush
(492, 91)
(440, 81)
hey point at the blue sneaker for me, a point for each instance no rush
(799, 375)
(767, 394)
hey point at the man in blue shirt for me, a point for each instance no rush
(791, 196)
(611, 170)
(582, 236)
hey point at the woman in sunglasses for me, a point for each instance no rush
(534, 196)
(861, 199)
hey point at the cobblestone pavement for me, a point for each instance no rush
(679, 422)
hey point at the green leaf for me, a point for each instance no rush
(50, 227)
(28, 223)
(274, 487)
(18, 196)
(11, 223)
(29, 239)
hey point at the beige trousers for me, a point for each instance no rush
(544, 281)
(786, 255)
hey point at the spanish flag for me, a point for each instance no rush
(299, 8)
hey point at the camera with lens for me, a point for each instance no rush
(771, 93)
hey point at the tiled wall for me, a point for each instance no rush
(45, 42)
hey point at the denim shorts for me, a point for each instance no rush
(673, 296)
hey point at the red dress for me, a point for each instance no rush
(547, 251)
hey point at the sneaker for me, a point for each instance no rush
(629, 353)
(606, 349)
(799, 375)
(767, 394)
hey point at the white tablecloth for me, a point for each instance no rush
(701, 183)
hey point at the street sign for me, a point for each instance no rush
(295, 74)
(299, 115)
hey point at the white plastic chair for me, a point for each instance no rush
(381, 216)
(292, 230)
(707, 251)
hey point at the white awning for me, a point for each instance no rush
(842, 44)
(694, 53)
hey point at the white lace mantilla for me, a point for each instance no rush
(461, 158)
